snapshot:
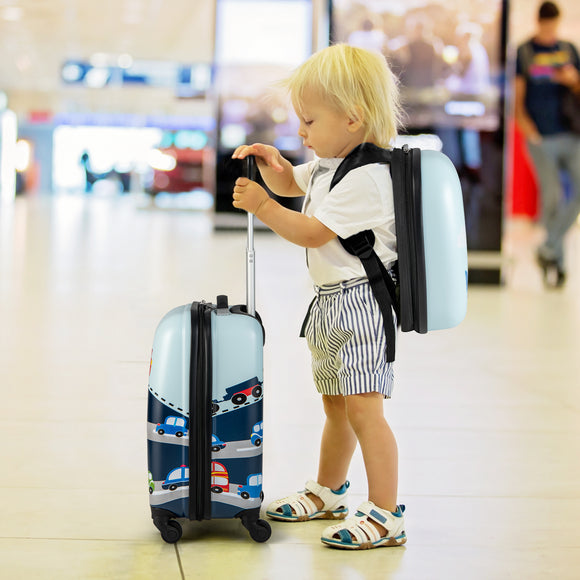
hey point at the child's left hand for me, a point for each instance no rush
(567, 75)
(249, 196)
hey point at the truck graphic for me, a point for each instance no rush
(239, 397)
(239, 394)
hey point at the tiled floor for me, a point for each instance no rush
(487, 415)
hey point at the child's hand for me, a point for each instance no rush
(249, 196)
(567, 75)
(266, 155)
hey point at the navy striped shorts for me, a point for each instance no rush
(345, 334)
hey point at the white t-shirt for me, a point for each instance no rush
(362, 200)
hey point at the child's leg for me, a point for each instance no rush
(378, 446)
(337, 445)
(336, 449)
(379, 522)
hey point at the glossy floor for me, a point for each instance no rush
(487, 415)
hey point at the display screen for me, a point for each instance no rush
(447, 56)
(255, 32)
(258, 44)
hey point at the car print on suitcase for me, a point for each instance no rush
(205, 411)
(206, 462)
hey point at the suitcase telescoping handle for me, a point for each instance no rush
(250, 173)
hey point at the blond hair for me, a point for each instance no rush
(355, 81)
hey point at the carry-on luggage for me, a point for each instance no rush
(431, 241)
(204, 418)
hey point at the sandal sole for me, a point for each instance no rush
(322, 516)
(390, 542)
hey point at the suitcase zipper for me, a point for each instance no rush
(200, 404)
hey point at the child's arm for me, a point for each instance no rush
(293, 226)
(276, 171)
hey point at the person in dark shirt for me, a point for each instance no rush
(547, 71)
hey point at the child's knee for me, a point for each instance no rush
(363, 409)
(334, 406)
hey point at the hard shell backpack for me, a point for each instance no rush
(431, 293)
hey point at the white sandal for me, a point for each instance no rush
(300, 508)
(358, 533)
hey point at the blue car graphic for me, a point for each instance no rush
(253, 487)
(176, 478)
(172, 426)
(256, 436)
(216, 443)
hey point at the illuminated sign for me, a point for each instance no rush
(188, 80)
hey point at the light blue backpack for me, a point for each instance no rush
(428, 290)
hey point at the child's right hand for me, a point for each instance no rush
(266, 155)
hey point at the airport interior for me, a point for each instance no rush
(118, 120)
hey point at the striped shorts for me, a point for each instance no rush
(345, 334)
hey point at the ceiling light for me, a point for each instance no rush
(125, 61)
(99, 59)
(12, 13)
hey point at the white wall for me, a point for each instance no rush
(523, 18)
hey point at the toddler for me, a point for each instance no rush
(344, 97)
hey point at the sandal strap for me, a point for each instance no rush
(358, 526)
(302, 505)
(377, 514)
(330, 498)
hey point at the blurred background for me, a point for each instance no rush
(117, 123)
(149, 98)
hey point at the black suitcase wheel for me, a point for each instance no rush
(260, 531)
(171, 533)
(257, 391)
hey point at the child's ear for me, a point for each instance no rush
(355, 120)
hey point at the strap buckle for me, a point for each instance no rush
(360, 245)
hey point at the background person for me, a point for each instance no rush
(547, 70)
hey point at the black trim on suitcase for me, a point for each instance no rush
(243, 309)
(406, 175)
(200, 381)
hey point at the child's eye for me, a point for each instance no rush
(307, 122)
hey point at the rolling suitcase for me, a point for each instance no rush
(204, 417)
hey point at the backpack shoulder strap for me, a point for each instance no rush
(362, 243)
(382, 284)
(363, 154)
